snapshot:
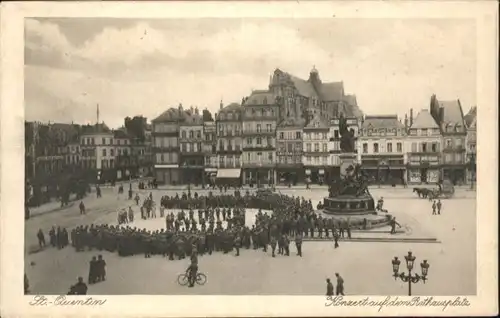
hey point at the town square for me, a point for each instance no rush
(154, 165)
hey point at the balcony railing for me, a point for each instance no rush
(229, 165)
(252, 132)
(229, 149)
(228, 133)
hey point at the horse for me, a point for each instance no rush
(418, 191)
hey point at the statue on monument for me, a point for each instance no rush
(346, 137)
(354, 183)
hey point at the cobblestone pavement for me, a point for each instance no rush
(366, 267)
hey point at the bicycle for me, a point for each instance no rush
(183, 279)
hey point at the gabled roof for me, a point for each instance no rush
(192, 118)
(260, 97)
(452, 112)
(386, 121)
(304, 87)
(424, 120)
(292, 122)
(317, 122)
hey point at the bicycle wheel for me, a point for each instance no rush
(201, 279)
(182, 279)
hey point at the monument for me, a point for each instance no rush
(349, 197)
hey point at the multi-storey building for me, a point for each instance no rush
(334, 136)
(259, 116)
(96, 144)
(191, 141)
(166, 145)
(289, 165)
(423, 148)
(471, 122)
(381, 149)
(210, 149)
(315, 149)
(298, 95)
(450, 118)
(229, 142)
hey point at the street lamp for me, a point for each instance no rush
(409, 278)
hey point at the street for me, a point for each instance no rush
(365, 266)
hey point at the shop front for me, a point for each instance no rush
(259, 176)
(210, 176)
(167, 174)
(316, 174)
(423, 174)
(289, 175)
(455, 173)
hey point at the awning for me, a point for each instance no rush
(210, 169)
(308, 171)
(321, 171)
(228, 173)
(166, 166)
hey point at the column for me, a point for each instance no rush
(275, 177)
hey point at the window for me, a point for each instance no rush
(290, 147)
(316, 147)
(270, 156)
(448, 158)
(221, 145)
(413, 147)
(336, 134)
(325, 147)
(198, 134)
(375, 147)
(399, 147)
(269, 128)
(308, 158)
(259, 141)
(103, 141)
(423, 147)
(316, 160)
(389, 147)
(434, 147)
(183, 134)
(352, 132)
(191, 134)
(221, 160)
(365, 147)
(308, 147)
(104, 152)
(282, 135)
(249, 157)
(325, 160)
(259, 128)
(458, 142)
(448, 143)
(458, 158)
(298, 135)
(195, 147)
(249, 141)
(112, 152)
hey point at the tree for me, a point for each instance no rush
(136, 127)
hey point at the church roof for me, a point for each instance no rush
(260, 97)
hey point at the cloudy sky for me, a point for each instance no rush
(131, 67)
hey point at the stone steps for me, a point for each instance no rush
(377, 240)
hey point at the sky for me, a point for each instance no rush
(142, 67)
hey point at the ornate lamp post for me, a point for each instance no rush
(409, 278)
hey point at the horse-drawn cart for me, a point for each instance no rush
(444, 189)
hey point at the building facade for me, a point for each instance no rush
(210, 150)
(259, 116)
(229, 142)
(315, 149)
(450, 119)
(289, 166)
(334, 143)
(381, 149)
(191, 140)
(423, 148)
(471, 142)
(165, 133)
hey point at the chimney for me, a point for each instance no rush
(406, 122)
(191, 109)
(196, 111)
(221, 105)
(411, 117)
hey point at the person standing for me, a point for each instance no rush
(340, 285)
(101, 268)
(434, 208)
(439, 207)
(393, 224)
(41, 238)
(92, 270)
(298, 244)
(329, 288)
(336, 238)
(237, 244)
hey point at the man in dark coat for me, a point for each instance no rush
(329, 288)
(41, 238)
(92, 270)
(101, 268)
(298, 244)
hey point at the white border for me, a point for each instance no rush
(12, 113)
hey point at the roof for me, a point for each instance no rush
(171, 114)
(260, 97)
(231, 107)
(470, 118)
(291, 122)
(452, 112)
(353, 103)
(95, 129)
(192, 118)
(333, 91)
(121, 134)
(384, 121)
(317, 122)
(424, 120)
(304, 87)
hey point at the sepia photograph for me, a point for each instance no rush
(250, 156)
